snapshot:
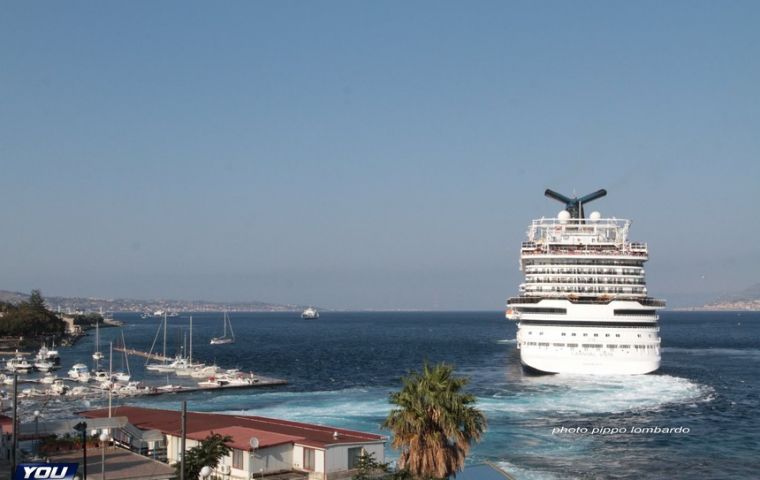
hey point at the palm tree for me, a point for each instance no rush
(207, 453)
(434, 422)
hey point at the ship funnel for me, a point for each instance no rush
(575, 205)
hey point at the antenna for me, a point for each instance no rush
(575, 205)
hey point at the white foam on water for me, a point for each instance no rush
(596, 394)
(337, 406)
(507, 340)
(524, 474)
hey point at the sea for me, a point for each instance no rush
(697, 417)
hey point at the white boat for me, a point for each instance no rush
(44, 365)
(121, 375)
(242, 379)
(132, 388)
(80, 373)
(48, 378)
(310, 313)
(18, 364)
(225, 338)
(58, 388)
(205, 372)
(98, 355)
(163, 366)
(583, 307)
(78, 391)
(48, 355)
(212, 382)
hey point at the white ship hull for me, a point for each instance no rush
(594, 363)
(588, 339)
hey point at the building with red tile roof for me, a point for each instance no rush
(316, 450)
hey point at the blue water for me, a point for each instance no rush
(342, 367)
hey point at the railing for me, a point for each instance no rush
(586, 251)
(600, 300)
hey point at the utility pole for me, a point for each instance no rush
(15, 423)
(82, 427)
(183, 428)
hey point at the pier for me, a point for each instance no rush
(140, 353)
(261, 382)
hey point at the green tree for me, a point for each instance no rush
(434, 422)
(207, 453)
(30, 319)
(369, 468)
(36, 302)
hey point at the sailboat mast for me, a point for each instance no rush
(126, 355)
(225, 324)
(164, 338)
(191, 340)
(110, 359)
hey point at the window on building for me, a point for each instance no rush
(354, 456)
(237, 459)
(308, 459)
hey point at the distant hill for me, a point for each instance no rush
(12, 297)
(88, 304)
(747, 299)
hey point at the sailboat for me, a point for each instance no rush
(184, 366)
(122, 376)
(224, 339)
(159, 367)
(98, 355)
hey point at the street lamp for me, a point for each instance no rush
(37, 429)
(103, 440)
(205, 472)
(254, 443)
(36, 422)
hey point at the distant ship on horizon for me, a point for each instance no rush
(583, 307)
(310, 313)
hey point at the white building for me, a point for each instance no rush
(317, 451)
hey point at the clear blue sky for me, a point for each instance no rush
(369, 154)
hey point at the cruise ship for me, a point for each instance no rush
(583, 307)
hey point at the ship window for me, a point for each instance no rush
(617, 334)
(563, 334)
(585, 334)
(596, 335)
(573, 334)
(606, 334)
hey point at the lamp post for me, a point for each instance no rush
(37, 428)
(103, 440)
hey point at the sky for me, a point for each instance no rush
(370, 154)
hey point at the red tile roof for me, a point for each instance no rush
(269, 431)
(241, 437)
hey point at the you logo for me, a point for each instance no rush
(47, 471)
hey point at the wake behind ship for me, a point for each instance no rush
(583, 307)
